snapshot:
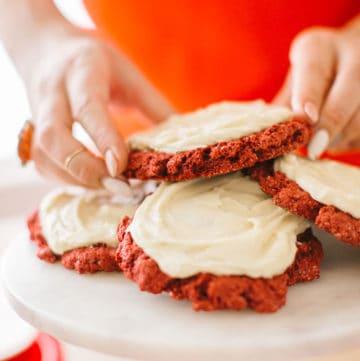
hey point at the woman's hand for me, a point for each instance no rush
(74, 78)
(324, 83)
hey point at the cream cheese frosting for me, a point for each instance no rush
(329, 182)
(73, 217)
(218, 122)
(224, 225)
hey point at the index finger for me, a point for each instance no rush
(54, 136)
(88, 87)
(313, 61)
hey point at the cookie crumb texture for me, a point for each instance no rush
(220, 158)
(209, 292)
(289, 195)
(91, 259)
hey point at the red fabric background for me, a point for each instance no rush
(200, 51)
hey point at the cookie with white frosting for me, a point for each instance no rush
(324, 191)
(78, 227)
(219, 242)
(218, 139)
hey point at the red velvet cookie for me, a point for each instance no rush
(209, 292)
(289, 195)
(91, 259)
(220, 158)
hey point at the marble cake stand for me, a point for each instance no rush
(15, 334)
(107, 313)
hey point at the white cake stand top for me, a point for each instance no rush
(107, 313)
(15, 334)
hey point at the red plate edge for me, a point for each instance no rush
(44, 348)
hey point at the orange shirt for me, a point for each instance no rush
(200, 51)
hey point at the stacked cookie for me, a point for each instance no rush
(78, 227)
(209, 233)
(324, 191)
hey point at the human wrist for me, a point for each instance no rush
(28, 28)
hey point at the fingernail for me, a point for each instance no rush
(117, 187)
(311, 111)
(111, 163)
(318, 144)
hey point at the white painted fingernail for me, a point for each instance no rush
(117, 187)
(311, 111)
(111, 163)
(318, 144)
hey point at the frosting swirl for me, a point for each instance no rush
(224, 225)
(73, 217)
(328, 182)
(218, 122)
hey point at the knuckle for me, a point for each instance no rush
(314, 35)
(103, 137)
(89, 45)
(46, 136)
(88, 50)
(43, 86)
(86, 103)
(47, 108)
(336, 115)
(85, 174)
(310, 38)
